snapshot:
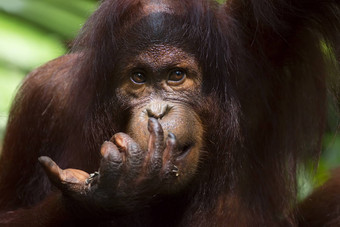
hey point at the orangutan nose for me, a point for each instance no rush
(158, 110)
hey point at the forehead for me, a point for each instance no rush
(162, 55)
(157, 58)
(158, 24)
(159, 37)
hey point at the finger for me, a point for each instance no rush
(155, 146)
(54, 173)
(134, 155)
(111, 165)
(74, 181)
(68, 181)
(156, 139)
(168, 155)
(110, 152)
(75, 176)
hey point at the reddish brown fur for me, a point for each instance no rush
(323, 206)
(264, 76)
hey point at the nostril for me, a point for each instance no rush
(158, 111)
(150, 113)
(154, 114)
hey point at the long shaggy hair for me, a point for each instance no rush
(265, 65)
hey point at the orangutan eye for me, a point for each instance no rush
(176, 76)
(138, 78)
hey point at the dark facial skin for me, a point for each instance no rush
(159, 83)
(160, 151)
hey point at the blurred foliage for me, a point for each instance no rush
(33, 32)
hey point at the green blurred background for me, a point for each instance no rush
(33, 32)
